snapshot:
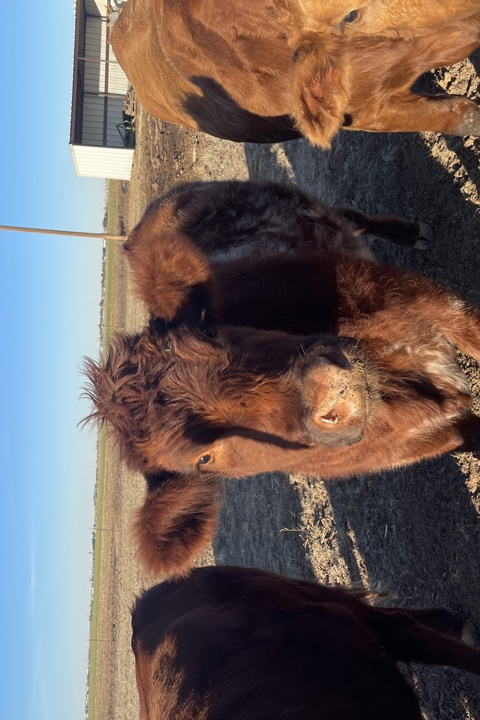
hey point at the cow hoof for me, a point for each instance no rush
(425, 237)
(470, 635)
(470, 122)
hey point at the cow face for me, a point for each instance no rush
(180, 400)
(193, 394)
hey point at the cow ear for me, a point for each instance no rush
(177, 521)
(320, 86)
(171, 275)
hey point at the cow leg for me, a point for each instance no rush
(394, 108)
(451, 317)
(407, 638)
(462, 435)
(448, 623)
(399, 446)
(395, 229)
(469, 428)
(407, 112)
(438, 619)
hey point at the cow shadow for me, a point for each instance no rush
(418, 535)
(380, 174)
(260, 526)
(399, 173)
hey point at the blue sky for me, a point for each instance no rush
(50, 294)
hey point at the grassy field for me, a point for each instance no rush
(112, 225)
(112, 260)
(94, 625)
(107, 299)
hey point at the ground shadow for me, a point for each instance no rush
(260, 526)
(416, 529)
(419, 538)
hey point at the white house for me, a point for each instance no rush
(101, 142)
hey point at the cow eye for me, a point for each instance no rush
(210, 333)
(351, 17)
(205, 459)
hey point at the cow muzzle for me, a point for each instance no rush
(335, 398)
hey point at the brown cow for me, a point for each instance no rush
(241, 643)
(270, 70)
(291, 350)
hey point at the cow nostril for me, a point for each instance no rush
(330, 418)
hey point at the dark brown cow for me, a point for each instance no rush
(270, 70)
(291, 350)
(237, 643)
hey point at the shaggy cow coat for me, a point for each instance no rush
(276, 342)
(240, 643)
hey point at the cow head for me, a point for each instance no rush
(192, 398)
(192, 394)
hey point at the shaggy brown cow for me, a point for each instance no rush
(270, 70)
(292, 351)
(242, 643)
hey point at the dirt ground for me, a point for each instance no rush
(412, 533)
